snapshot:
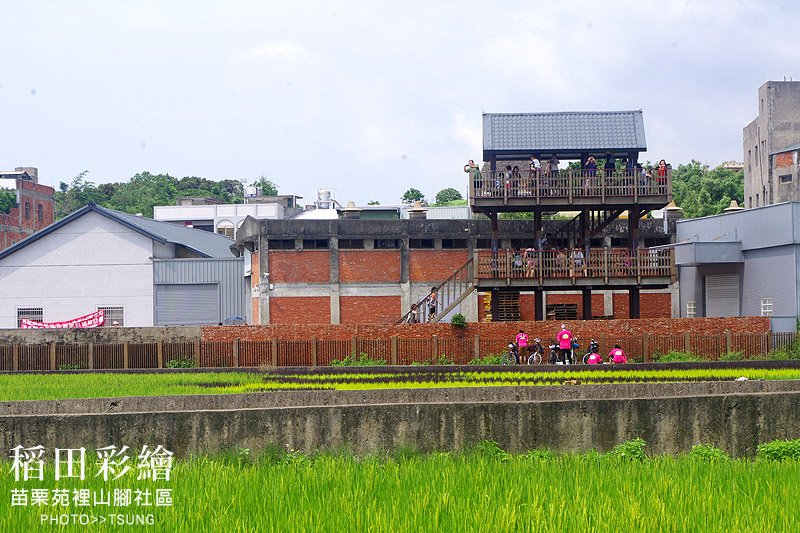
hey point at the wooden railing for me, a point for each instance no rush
(416, 347)
(569, 184)
(553, 264)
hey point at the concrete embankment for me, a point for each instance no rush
(735, 416)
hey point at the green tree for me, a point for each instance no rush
(373, 202)
(267, 186)
(448, 195)
(412, 195)
(703, 192)
(8, 199)
(144, 191)
(79, 192)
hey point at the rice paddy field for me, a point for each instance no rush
(56, 386)
(484, 489)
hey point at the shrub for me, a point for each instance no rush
(732, 356)
(67, 366)
(677, 357)
(541, 455)
(458, 321)
(362, 360)
(779, 450)
(632, 450)
(181, 362)
(708, 453)
(488, 359)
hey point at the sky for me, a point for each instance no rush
(367, 98)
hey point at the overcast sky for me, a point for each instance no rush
(367, 98)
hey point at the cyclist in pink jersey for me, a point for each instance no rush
(564, 343)
(522, 345)
(617, 356)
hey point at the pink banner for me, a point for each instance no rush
(93, 320)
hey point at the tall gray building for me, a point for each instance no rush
(767, 141)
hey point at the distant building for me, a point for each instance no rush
(742, 263)
(209, 214)
(34, 205)
(769, 141)
(141, 272)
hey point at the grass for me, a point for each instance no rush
(96, 385)
(485, 489)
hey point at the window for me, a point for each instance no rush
(454, 243)
(27, 210)
(383, 244)
(113, 314)
(225, 227)
(420, 243)
(486, 244)
(281, 244)
(786, 178)
(691, 309)
(766, 306)
(29, 313)
(351, 243)
(315, 244)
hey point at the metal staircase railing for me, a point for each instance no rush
(569, 232)
(449, 294)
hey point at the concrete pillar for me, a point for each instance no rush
(263, 277)
(538, 304)
(334, 280)
(537, 228)
(405, 283)
(608, 303)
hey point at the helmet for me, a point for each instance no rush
(511, 345)
(537, 339)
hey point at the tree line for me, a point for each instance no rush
(697, 188)
(145, 190)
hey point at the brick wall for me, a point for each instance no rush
(299, 310)
(504, 330)
(15, 225)
(308, 266)
(369, 309)
(434, 265)
(369, 265)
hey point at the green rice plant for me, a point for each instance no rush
(706, 452)
(363, 359)
(677, 357)
(541, 455)
(779, 450)
(631, 450)
(489, 449)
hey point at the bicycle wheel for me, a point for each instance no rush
(586, 359)
(535, 359)
(508, 359)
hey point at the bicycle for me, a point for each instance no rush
(535, 358)
(594, 347)
(511, 356)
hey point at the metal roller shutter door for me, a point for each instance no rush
(188, 305)
(722, 295)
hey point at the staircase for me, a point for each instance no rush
(449, 294)
(508, 306)
(570, 231)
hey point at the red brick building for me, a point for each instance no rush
(34, 209)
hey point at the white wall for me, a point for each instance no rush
(90, 262)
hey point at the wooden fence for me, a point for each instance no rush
(320, 352)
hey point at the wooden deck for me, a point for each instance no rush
(504, 191)
(560, 270)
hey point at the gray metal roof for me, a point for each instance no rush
(563, 132)
(204, 243)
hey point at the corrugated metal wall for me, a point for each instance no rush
(227, 273)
